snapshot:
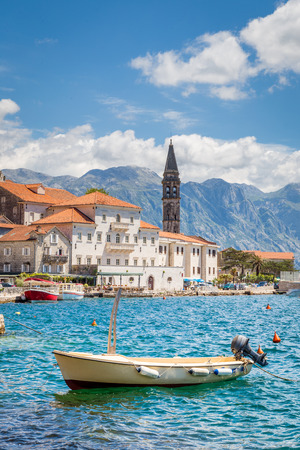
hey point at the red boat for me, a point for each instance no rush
(40, 290)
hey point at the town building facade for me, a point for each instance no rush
(100, 235)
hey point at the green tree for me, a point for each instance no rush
(236, 259)
(103, 191)
(256, 263)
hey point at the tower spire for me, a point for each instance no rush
(171, 193)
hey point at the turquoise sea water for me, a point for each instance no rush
(38, 411)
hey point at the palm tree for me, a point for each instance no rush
(256, 263)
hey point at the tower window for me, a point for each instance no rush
(174, 191)
(168, 191)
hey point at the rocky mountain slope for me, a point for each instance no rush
(235, 215)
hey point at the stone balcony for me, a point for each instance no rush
(119, 226)
(114, 247)
(56, 259)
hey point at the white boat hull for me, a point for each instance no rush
(85, 370)
(70, 296)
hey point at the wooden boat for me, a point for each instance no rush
(87, 370)
(38, 289)
(70, 291)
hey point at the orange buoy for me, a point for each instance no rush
(164, 298)
(268, 306)
(259, 350)
(94, 324)
(276, 338)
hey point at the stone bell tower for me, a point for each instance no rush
(171, 194)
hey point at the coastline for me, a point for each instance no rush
(13, 298)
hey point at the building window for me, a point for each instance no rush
(103, 217)
(108, 238)
(89, 237)
(126, 262)
(168, 191)
(3, 200)
(25, 267)
(117, 238)
(152, 262)
(144, 240)
(131, 219)
(7, 251)
(194, 252)
(198, 251)
(135, 239)
(53, 238)
(26, 251)
(88, 261)
(198, 270)
(160, 249)
(78, 261)
(214, 253)
(117, 262)
(135, 262)
(31, 217)
(79, 236)
(174, 191)
(126, 239)
(214, 270)
(118, 218)
(182, 250)
(209, 270)
(108, 261)
(59, 269)
(152, 241)
(99, 261)
(99, 237)
(45, 268)
(165, 249)
(193, 270)
(15, 210)
(6, 267)
(177, 250)
(209, 252)
(144, 262)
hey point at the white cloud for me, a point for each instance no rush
(199, 158)
(276, 38)
(216, 59)
(130, 113)
(221, 61)
(8, 106)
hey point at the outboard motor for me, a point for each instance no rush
(240, 347)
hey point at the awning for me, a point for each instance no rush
(198, 280)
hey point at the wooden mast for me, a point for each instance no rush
(111, 347)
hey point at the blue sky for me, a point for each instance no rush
(97, 84)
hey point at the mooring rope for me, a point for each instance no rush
(276, 376)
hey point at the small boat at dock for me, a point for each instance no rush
(70, 291)
(38, 289)
(87, 370)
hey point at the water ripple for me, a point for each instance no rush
(38, 411)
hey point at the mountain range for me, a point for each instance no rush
(230, 214)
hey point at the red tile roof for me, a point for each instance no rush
(272, 255)
(52, 196)
(23, 232)
(70, 215)
(98, 198)
(148, 225)
(183, 237)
